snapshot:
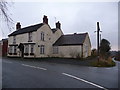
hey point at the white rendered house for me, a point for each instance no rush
(41, 41)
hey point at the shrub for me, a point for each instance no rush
(103, 63)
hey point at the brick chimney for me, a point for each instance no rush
(18, 26)
(45, 19)
(58, 25)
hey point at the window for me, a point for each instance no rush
(42, 36)
(15, 49)
(32, 48)
(10, 49)
(14, 39)
(30, 37)
(55, 50)
(42, 49)
(26, 48)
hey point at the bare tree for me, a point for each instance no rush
(5, 15)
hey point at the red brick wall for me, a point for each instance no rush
(5, 48)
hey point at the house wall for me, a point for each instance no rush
(49, 39)
(10, 40)
(56, 35)
(21, 38)
(86, 47)
(69, 51)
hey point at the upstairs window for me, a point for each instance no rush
(42, 36)
(30, 37)
(42, 49)
(14, 39)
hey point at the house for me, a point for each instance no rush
(41, 41)
(3, 47)
(73, 45)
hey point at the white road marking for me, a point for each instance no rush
(7, 61)
(108, 68)
(93, 67)
(34, 67)
(84, 81)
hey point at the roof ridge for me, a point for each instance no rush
(26, 29)
(76, 34)
(30, 26)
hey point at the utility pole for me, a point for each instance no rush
(100, 38)
(98, 30)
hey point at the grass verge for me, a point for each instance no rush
(103, 63)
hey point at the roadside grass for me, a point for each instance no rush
(103, 63)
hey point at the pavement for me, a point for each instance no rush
(29, 73)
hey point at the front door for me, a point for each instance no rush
(21, 47)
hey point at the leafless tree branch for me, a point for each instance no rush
(4, 13)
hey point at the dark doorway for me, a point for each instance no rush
(21, 47)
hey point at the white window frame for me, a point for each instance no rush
(42, 49)
(26, 49)
(10, 49)
(42, 36)
(32, 48)
(15, 49)
(30, 36)
(55, 49)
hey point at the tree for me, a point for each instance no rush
(105, 49)
(4, 14)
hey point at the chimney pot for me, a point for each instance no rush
(45, 19)
(58, 25)
(18, 26)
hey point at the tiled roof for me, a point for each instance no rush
(54, 30)
(26, 29)
(72, 39)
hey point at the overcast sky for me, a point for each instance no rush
(75, 17)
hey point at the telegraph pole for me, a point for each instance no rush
(98, 31)
(100, 38)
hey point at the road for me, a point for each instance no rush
(18, 73)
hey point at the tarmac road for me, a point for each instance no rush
(17, 73)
